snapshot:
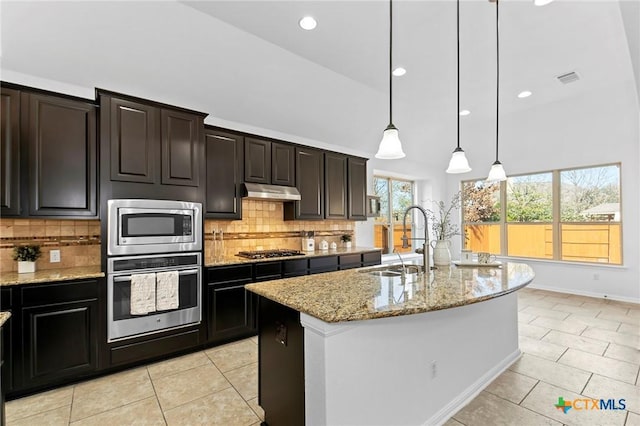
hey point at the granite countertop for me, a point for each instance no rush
(4, 316)
(48, 275)
(232, 260)
(353, 295)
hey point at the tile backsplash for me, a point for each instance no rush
(262, 228)
(77, 240)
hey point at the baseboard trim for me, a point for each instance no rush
(585, 293)
(472, 391)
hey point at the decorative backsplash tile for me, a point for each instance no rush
(77, 240)
(262, 228)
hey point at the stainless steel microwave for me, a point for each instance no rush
(137, 226)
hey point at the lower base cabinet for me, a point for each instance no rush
(231, 311)
(281, 364)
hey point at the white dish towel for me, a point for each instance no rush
(167, 294)
(143, 293)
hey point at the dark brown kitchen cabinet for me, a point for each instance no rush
(62, 164)
(230, 309)
(134, 132)
(269, 162)
(257, 161)
(181, 141)
(224, 169)
(335, 185)
(310, 184)
(10, 149)
(282, 164)
(357, 188)
(59, 338)
(151, 150)
(6, 345)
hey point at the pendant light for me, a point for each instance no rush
(497, 171)
(458, 162)
(390, 147)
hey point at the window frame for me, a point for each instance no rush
(556, 222)
(388, 214)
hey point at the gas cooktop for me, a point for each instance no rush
(263, 254)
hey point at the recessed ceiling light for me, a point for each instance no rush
(524, 94)
(307, 23)
(541, 2)
(465, 112)
(399, 72)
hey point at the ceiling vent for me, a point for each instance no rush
(568, 78)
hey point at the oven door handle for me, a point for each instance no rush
(128, 278)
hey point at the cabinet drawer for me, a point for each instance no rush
(371, 258)
(348, 261)
(221, 274)
(268, 271)
(155, 347)
(323, 264)
(295, 267)
(59, 292)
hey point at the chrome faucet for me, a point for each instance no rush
(404, 268)
(425, 246)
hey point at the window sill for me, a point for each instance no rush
(563, 262)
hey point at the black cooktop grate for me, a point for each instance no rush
(264, 254)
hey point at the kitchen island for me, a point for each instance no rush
(360, 348)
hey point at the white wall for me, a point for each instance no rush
(599, 127)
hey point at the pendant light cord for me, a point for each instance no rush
(458, 64)
(390, 59)
(497, 77)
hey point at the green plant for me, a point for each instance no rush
(441, 224)
(345, 238)
(26, 253)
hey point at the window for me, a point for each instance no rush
(571, 215)
(395, 196)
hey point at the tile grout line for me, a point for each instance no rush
(73, 396)
(155, 394)
(530, 390)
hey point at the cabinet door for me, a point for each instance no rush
(62, 156)
(335, 186)
(6, 345)
(10, 149)
(231, 311)
(257, 161)
(225, 160)
(310, 184)
(282, 164)
(59, 341)
(357, 188)
(135, 144)
(181, 142)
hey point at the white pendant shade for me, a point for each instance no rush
(497, 172)
(458, 162)
(390, 147)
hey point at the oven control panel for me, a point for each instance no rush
(153, 262)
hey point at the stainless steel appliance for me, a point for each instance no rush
(121, 324)
(137, 226)
(264, 254)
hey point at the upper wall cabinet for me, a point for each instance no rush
(310, 184)
(49, 155)
(61, 135)
(335, 185)
(10, 148)
(152, 150)
(224, 152)
(268, 162)
(357, 188)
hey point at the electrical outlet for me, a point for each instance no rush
(54, 256)
(434, 369)
(596, 277)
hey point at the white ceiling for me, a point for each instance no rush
(249, 62)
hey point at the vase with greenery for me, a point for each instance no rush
(346, 240)
(443, 229)
(26, 256)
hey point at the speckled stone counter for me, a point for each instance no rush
(355, 295)
(4, 316)
(231, 260)
(50, 275)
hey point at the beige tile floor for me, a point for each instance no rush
(574, 346)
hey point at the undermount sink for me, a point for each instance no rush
(392, 270)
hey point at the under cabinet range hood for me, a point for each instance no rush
(260, 191)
